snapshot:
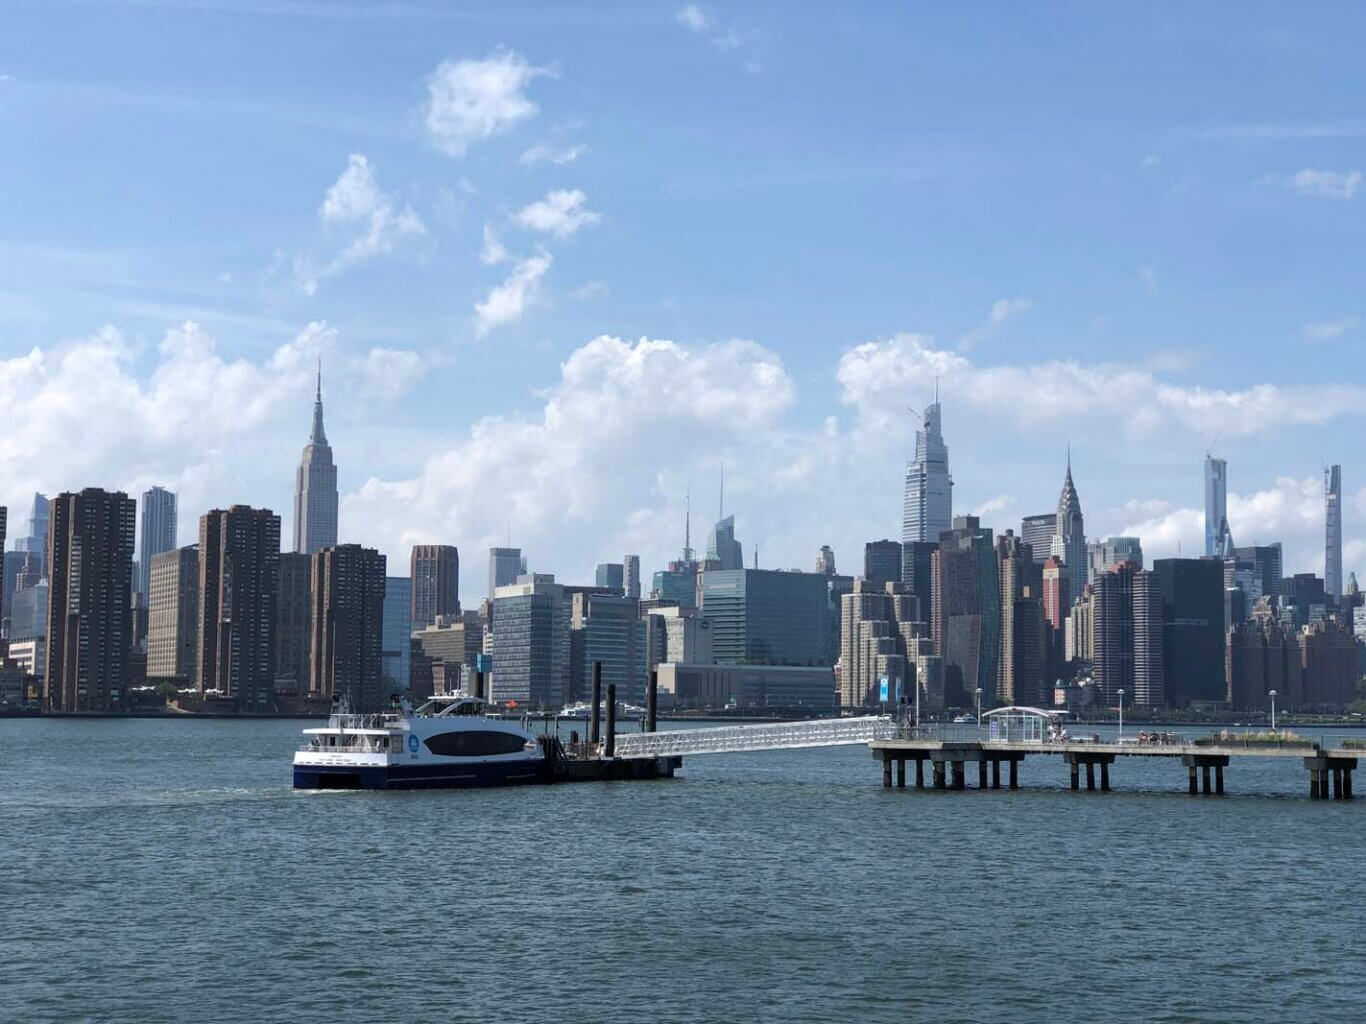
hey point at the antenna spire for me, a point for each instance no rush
(687, 525)
(319, 395)
(721, 501)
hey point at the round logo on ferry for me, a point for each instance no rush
(412, 743)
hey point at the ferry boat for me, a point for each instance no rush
(583, 711)
(445, 743)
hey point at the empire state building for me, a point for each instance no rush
(315, 488)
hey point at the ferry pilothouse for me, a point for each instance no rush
(447, 742)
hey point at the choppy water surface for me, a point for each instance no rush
(165, 871)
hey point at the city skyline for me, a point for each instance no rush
(499, 318)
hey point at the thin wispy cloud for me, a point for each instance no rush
(725, 38)
(493, 251)
(1330, 330)
(1149, 279)
(1001, 311)
(547, 154)
(1326, 184)
(356, 200)
(507, 302)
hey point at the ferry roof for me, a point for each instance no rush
(1024, 711)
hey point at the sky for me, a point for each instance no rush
(563, 262)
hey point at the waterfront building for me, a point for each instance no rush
(239, 578)
(927, 507)
(676, 634)
(723, 550)
(1216, 506)
(1332, 543)
(747, 686)
(157, 532)
(1150, 688)
(917, 572)
(530, 642)
(1263, 654)
(606, 628)
(879, 633)
(435, 583)
(1331, 666)
(1113, 639)
(630, 565)
(293, 619)
(30, 654)
(173, 614)
(90, 573)
(1101, 554)
(1079, 632)
(968, 602)
(882, 563)
(315, 487)
(825, 561)
(453, 644)
(1069, 538)
(1192, 591)
(505, 565)
(767, 617)
(346, 653)
(1037, 531)
(396, 637)
(611, 575)
(1022, 660)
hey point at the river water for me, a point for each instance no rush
(165, 871)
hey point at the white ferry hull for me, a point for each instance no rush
(430, 775)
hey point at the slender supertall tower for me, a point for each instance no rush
(1332, 540)
(927, 509)
(157, 532)
(1216, 504)
(315, 489)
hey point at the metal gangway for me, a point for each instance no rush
(727, 739)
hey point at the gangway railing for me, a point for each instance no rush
(726, 739)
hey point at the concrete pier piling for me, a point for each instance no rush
(996, 773)
(1326, 773)
(938, 767)
(919, 773)
(594, 728)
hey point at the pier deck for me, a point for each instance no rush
(1330, 769)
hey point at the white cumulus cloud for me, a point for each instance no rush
(547, 154)
(561, 213)
(472, 100)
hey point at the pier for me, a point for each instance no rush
(1018, 733)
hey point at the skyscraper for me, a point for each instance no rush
(928, 507)
(881, 563)
(239, 579)
(1216, 503)
(825, 561)
(397, 639)
(435, 575)
(1069, 537)
(1037, 531)
(315, 487)
(767, 617)
(90, 570)
(606, 628)
(968, 607)
(722, 547)
(348, 625)
(631, 567)
(293, 614)
(505, 565)
(1193, 637)
(610, 574)
(1332, 541)
(36, 541)
(173, 614)
(157, 532)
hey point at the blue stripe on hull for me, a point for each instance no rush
(420, 776)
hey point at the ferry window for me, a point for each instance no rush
(474, 743)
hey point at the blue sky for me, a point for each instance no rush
(1135, 229)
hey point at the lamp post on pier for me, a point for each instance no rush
(979, 711)
(1121, 713)
(1272, 695)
